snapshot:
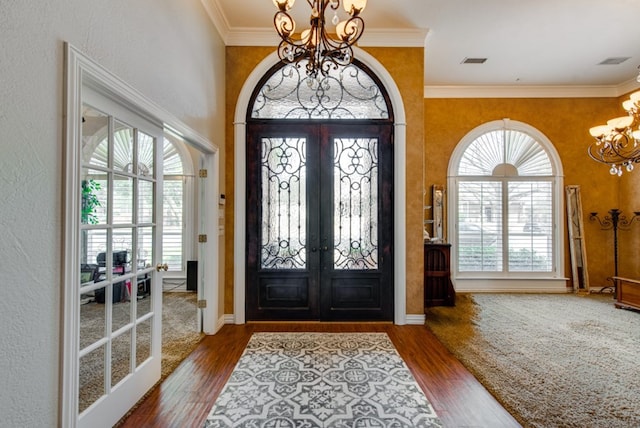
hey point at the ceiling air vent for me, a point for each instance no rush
(473, 60)
(614, 60)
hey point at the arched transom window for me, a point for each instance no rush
(506, 197)
(345, 93)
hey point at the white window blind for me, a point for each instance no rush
(173, 223)
(505, 200)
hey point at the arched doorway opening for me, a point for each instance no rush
(320, 197)
(399, 192)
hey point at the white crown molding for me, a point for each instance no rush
(629, 86)
(218, 18)
(378, 38)
(603, 91)
(240, 36)
(417, 38)
(252, 37)
(395, 38)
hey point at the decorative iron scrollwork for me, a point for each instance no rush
(345, 93)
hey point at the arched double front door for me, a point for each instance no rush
(319, 197)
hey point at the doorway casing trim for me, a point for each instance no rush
(81, 71)
(399, 185)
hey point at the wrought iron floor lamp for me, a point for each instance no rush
(615, 220)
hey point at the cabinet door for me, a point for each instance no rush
(438, 290)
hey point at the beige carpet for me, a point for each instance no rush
(551, 360)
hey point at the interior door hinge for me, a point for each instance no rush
(202, 173)
(202, 304)
(202, 238)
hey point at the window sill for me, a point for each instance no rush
(510, 285)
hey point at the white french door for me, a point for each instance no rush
(120, 294)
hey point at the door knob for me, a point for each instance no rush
(314, 249)
(163, 267)
(325, 248)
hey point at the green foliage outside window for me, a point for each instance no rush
(90, 201)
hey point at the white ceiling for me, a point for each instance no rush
(551, 44)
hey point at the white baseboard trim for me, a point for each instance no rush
(221, 321)
(415, 319)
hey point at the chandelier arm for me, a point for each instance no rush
(354, 27)
(615, 150)
(322, 51)
(617, 144)
(284, 24)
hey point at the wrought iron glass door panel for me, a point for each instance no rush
(319, 221)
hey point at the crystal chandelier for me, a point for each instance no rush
(617, 143)
(315, 44)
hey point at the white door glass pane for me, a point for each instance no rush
(121, 357)
(94, 191)
(96, 243)
(145, 247)
(143, 341)
(143, 307)
(121, 313)
(122, 250)
(122, 199)
(95, 130)
(92, 379)
(145, 201)
(123, 147)
(144, 270)
(145, 155)
(92, 320)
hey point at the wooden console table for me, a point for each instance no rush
(438, 288)
(627, 292)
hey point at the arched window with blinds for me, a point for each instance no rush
(507, 193)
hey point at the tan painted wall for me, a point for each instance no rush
(435, 126)
(407, 73)
(240, 62)
(629, 240)
(566, 123)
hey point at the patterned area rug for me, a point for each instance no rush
(336, 380)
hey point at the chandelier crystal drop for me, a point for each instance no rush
(617, 144)
(323, 48)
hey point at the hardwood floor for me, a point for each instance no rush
(186, 396)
